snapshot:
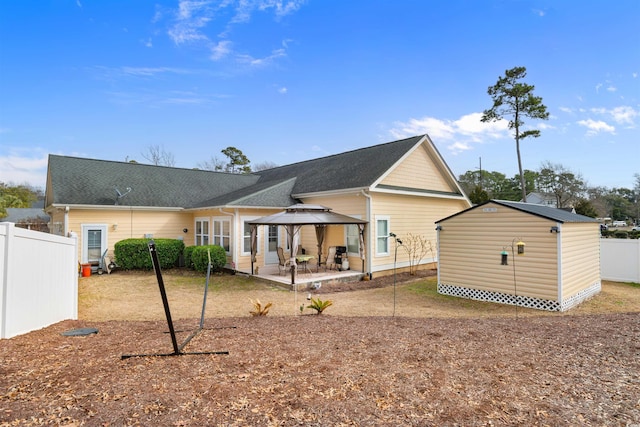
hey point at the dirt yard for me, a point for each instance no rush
(440, 361)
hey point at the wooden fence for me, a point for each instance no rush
(39, 274)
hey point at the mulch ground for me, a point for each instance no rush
(323, 370)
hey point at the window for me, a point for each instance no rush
(222, 233)
(202, 232)
(94, 245)
(246, 239)
(353, 239)
(382, 235)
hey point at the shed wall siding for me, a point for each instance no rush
(580, 257)
(470, 252)
(419, 170)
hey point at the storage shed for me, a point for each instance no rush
(478, 255)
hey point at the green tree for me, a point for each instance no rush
(478, 195)
(238, 162)
(16, 196)
(584, 207)
(515, 100)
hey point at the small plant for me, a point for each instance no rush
(318, 305)
(258, 309)
(301, 308)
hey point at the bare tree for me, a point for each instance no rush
(214, 164)
(264, 166)
(417, 247)
(157, 155)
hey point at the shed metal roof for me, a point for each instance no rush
(554, 214)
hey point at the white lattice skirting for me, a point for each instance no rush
(520, 300)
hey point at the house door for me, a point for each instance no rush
(94, 242)
(272, 242)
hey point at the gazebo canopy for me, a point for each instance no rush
(302, 214)
(296, 216)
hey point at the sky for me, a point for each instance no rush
(290, 80)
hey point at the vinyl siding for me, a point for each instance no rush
(131, 224)
(409, 215)
(470, 249)
(580, 257)
(418, 170)
(351, 205)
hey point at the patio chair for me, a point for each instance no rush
(284, 265)
(330, 261)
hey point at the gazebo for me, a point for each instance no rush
(293, 218)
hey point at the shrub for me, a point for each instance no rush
(319, 306)
(188, 252)
(133, 254)
(620, 234)
(258, 309)
(200, 259)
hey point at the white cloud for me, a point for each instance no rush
(460, 134)
(18, 168)
(261, 62)
(566, 110)
(612, 88)
(624, 115)
(220, 50)
(192, 18)
(595, 127)
(282, 90)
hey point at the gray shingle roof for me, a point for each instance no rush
(548, 212)
(93, 182)
(352, 169)
(78, 181)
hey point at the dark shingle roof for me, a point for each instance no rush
(548, 212)
(94, 182)
(78, 181)
(263, 194)
(352, 169)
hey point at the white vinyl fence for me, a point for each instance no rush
(39, 274)
(620, 260)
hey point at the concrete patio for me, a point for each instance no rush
(306, 279)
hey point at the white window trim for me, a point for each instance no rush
(346, 240)
(84, 229)
(244, 219)
(212, 237)
(386, 218)
(195, 229)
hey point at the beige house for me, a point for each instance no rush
(560, 266)
(401, 187)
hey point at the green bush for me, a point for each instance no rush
(200, 260)
(188, 252)
(133, 254)
(620, 234)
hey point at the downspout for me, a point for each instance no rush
(234, 233)
(65, 232)
(369, 252)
